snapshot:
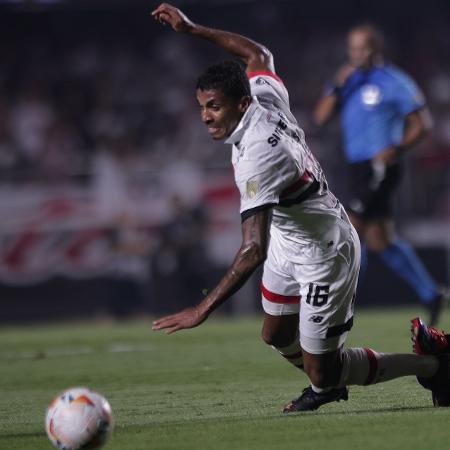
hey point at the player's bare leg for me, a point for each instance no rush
(281, 332)
(324, 372)
(330, 373)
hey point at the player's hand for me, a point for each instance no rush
(188, 318)
(342, 74)
(166, 13)
(388, 156)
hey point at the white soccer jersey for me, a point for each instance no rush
(274, 168)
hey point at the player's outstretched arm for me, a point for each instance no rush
(251, 254)
(255, 56)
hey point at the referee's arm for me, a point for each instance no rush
(328, 103)
(417, 124)
(325, 108)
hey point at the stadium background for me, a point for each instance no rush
(113, 198)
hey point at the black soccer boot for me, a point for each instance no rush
(310, 400)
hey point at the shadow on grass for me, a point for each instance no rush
(397, 409)
(292, 416)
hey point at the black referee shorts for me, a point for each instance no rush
(371, 189)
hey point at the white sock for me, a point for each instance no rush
(292, 353)
(363, 366)
(319, 390)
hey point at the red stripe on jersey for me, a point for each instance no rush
(278, 298)
(266, 73)
(304, 180)
(373, 366)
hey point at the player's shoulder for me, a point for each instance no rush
(264, 77)
(268, 85)
(397, 75)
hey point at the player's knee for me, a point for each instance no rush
(270, 338)
(277, 338)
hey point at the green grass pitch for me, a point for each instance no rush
(215, 387)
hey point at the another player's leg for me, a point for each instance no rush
(370, 211)
(400, 257)
(428, 340)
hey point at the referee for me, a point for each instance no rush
(383, 113)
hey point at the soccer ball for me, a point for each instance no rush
(79, 418)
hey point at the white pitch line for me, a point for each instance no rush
(117, 347)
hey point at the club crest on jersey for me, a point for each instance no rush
(252, 188)
(371, 95)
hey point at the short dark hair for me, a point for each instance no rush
(227, 76)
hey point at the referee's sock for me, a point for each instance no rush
(402, 259)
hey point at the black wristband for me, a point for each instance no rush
(331, 89)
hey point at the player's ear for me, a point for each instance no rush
(244, 103)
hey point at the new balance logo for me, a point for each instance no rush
(315, 319)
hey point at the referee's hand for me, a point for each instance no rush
(388, 156)
(342, 74)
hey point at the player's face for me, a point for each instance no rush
(220, 113)
(360, 51)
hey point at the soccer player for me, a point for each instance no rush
(313, 251)
(383, 114)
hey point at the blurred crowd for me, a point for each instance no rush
(67, 99)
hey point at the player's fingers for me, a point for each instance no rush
(168, 321)
(164, 8)
(164, 18)
(175, 328)
(171, 330)
(161, 14)
(158, 10)
(164, 322)
(159, 321)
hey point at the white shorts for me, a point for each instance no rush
(323, 294)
